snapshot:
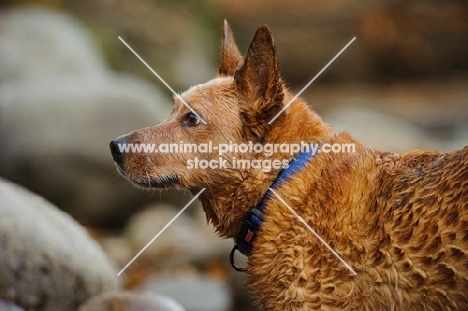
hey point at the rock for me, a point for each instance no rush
(76, 116)
(379, 130)
(461, 138)
(59, 108)
(38, 43)
(48, 261)
(126, 301)
(194, 292)
(117, 249)
(8, 306)
(397, 117)
(184, 241)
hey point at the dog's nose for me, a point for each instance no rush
(117, 148)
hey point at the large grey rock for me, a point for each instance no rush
(47, 261)
(195, 292)
(126, 301)
(37, 43)
(380, 130)
(398, 117)
(59, 108)
(9, 306)
(75, 116)
(184, 241)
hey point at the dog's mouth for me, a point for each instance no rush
(165, 181)
(162, 182)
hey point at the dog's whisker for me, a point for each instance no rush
(149, 179)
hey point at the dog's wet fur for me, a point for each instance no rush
(400, 220)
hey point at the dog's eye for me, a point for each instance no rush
(191, 119)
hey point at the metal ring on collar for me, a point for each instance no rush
(233, 264)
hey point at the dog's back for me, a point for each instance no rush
(423, 202)
(400, 220)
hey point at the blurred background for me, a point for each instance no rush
(68, 86)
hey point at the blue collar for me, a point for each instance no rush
(254, 219)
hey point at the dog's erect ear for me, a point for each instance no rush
(231, 59)
(259, 81)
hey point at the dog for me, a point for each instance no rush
(398, 223)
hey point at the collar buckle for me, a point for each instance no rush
(248, 231)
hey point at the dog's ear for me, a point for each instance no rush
(259, 83)
(231, 59)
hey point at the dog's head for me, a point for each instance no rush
(234, 109)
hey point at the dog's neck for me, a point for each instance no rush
(226, 203)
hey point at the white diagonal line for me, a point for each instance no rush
(160, 232)
(315, 233)
(313, 79)
(162, 80)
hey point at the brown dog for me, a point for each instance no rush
(400, 221)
